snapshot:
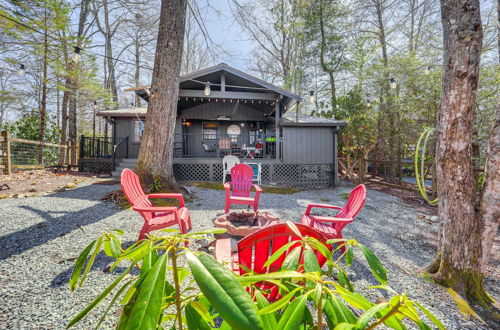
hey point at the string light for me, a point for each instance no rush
(207, 88)
(393, 83)
(76, 54)
(311, 99)
(368, 103)
(22, 70)
(427, 71)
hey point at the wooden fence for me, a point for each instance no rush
(18, 153)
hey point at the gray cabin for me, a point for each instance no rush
(223, 111)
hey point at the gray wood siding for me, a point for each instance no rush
(210, 111)
(308, 145)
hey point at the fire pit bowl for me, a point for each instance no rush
(244, 223)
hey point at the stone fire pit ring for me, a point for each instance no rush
(245, 222)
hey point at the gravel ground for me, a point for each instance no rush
(41, 236)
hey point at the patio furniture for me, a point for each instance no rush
(241, 185)
(257, 170)
(228, 162)
(259, 149)
(249, 151)
(332, 227)
(208, 148)
(255, 249)
(224, 146)
(155, 217)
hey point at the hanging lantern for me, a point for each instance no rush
(311, 99)
(22, 70)
(393, 83)
(207, 88)
(76, 54)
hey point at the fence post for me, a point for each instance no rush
(6, 153)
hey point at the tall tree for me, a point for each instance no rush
(155, 161)
(459, 255)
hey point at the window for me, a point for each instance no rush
(138, 130)
(210, 131)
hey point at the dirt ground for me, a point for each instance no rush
(27, 183)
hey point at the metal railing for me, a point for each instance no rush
(255, 145)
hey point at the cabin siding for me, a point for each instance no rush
(308, 145)
(237, 111)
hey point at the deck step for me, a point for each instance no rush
(125, 163)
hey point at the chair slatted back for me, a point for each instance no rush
(354, 204)
(255, 249)
(131, 187)
(241, 180)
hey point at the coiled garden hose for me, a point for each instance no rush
(420, 172)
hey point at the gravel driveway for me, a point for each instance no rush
(41, 236)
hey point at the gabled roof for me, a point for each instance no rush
(241, 74)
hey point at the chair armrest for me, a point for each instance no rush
(223, 251)
(333, 219)
(323, 206)
(155, 209)
(257, 188)
(169, 195)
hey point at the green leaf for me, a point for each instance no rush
(96, 300)
(354, 299)
(247, 280)
(148, 261)
(194, 319)
(375, 265)
(344, 279)
(221, 287)
(91, 260)
(322, 248)
(115, 246)
(118, 231)
(147, 307)
(366, 316)
(117, 295)
(79, 265)
(291, 261)
(292, 317)
(310, 261)
(136, 251)
(336, 312)
(294, 228)
(202, 310)
(205, 232)
(349, 257)
(345, 326)
(279, 304)
(275, 256)
(430, 315)
(269, 319)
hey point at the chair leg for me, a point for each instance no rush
(144, 231)
(226, 211)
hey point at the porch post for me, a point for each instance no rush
(277, 117)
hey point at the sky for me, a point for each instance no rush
(226, 32)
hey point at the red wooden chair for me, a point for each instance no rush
(155, 217)
(255, 249)
(332, 227)
(241, 185)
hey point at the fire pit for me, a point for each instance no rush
(244, 223)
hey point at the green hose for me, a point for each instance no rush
(420, 173)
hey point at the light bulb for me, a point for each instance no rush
(207, 88)
(311, 99)
(427, 70)
(368, 103)
(393, 83)
(76, 54)
(22, 70)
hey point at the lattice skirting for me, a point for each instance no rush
(99, 165)
(298, 175)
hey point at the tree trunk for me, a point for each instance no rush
(155, 160)
(137, 76)
(43, 104)
(458, 262)
(64, 128)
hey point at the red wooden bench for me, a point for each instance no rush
(255, 249)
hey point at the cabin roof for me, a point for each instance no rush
(290, 119)
(127, 112)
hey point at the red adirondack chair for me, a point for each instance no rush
(155, 217)
(241, 185)
(255, 249)
(332, 227)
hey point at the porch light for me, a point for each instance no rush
(207, 88)
(22, 70)
(368, 103)
(427, 71)
(393, 83)
(311, 99)
(76, 54)
(242, 124)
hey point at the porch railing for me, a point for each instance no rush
(254, 145)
